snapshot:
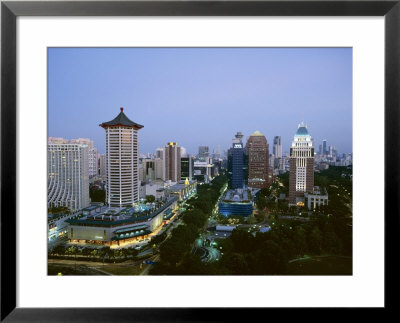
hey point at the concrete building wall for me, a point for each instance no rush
(257, 147)
(172, 162)
(102, 165)
(301, 176)
(122, 166)
(92, 154)
(68, 177)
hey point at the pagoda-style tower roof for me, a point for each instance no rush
(121, 120)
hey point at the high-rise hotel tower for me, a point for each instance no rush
(122, 161)
(67, 174)
(301, 178)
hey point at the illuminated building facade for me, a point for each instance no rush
(183, 189)
(257, 147)
(301, 177)
(116, 227)
(122, 161)
(236, 202)
(238, 168)
(187, 166)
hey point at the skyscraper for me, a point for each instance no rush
(187, 166)
(238, 159)
(92, 154)
(102, 165)
(277, 149)
(122, 159)
(159, 171)
(257, 147)
(324, 149)
(160, 153)
(301, 177)
(67, 175)
(217, 153)
(203, 151)
(183, 152)
(149, 169)
(172, 162)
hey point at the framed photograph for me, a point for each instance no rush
(209, 155)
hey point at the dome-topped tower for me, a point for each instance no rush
(257, 134)
(302, 130)
(301, 179)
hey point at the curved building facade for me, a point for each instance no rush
(122, 161)
(68, 177)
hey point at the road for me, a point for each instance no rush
(146, 270)
(213, 254)
(146, 252)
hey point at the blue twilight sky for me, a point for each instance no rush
(202, 96)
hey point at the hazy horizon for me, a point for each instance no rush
(202, 96)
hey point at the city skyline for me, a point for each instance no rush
(196, 88)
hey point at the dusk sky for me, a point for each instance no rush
(202, 96)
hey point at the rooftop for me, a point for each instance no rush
(236, 196)
(302, 130)
(179, 186)
(120, 217)
(121, 120)
(256, 134)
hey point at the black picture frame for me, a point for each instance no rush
(10, 10)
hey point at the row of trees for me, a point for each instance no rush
(336, 180)
(175, 250)
(93, 254)
(96, 194)
(150, 198)
(268, 253)
(59, 210)
(328, 232)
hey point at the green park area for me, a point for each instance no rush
(326, 236)
(323, 265)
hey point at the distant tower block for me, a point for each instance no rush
(122, 161)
